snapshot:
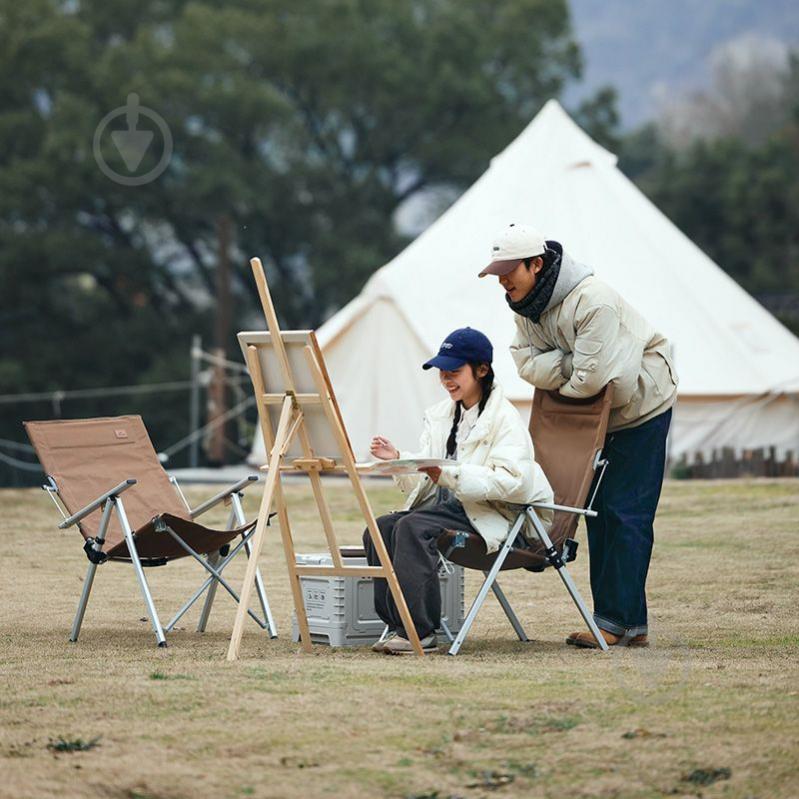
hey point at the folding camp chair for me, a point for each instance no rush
(90, 464)
(568, 435)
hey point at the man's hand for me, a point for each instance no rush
(383, 449)
(433, 472)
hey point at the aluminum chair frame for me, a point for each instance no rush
(111, 502)
(555, 560)
(491, 583)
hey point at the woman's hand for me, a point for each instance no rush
(433, 472)
(383, 449)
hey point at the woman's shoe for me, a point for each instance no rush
(586, 640)
(378, 646)
(402, 646)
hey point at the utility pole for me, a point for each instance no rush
(194, 400)
(217, 395)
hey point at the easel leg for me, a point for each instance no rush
(238, 516)
(270, 490)
(324, 515)
(363, 502)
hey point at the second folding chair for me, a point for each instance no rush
(112, 486)
(568, 436)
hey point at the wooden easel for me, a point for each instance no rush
(293, 427)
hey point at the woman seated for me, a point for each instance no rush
(492, 474)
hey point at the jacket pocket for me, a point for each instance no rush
(660, 372)
(670, 366)
(632, 410)
(655, 384)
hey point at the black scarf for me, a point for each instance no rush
(535, 303)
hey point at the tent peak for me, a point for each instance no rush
(554, 133)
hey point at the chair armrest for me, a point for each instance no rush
(223, 495)
(92, 506)
(564, 508)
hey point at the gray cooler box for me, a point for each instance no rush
(341, 610)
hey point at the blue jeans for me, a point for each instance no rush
(621, 536)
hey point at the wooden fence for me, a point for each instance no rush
(725, 463)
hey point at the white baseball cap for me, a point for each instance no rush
(511, 246)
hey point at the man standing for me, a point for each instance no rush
(574, 335)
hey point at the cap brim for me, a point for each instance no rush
(501, 267)
(445, 362)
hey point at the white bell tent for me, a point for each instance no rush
(738, 366)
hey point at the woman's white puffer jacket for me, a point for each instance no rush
(495, 472)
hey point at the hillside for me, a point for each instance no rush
(649, 49)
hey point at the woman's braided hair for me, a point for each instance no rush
(486, 384)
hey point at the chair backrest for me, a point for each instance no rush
(567, 434)
(87, 457)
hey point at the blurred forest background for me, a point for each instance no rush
(322, 137)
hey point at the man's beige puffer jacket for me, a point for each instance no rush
(495, 473)
(589, 336)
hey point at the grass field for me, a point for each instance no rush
(712, 709)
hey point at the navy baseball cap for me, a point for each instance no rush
(462, 346)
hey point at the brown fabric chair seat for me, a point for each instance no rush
(154, 543)
(138, 516)
(88, 456)
(474, 556)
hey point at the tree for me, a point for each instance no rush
(738, 201)
(303, 126)
(750, 79)
(599, 117)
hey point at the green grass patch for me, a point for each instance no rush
(533, 725)
(707, 776)
(160, 675)
(73, 744)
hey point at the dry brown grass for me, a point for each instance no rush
(717, 691)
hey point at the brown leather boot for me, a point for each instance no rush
(586, 640)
